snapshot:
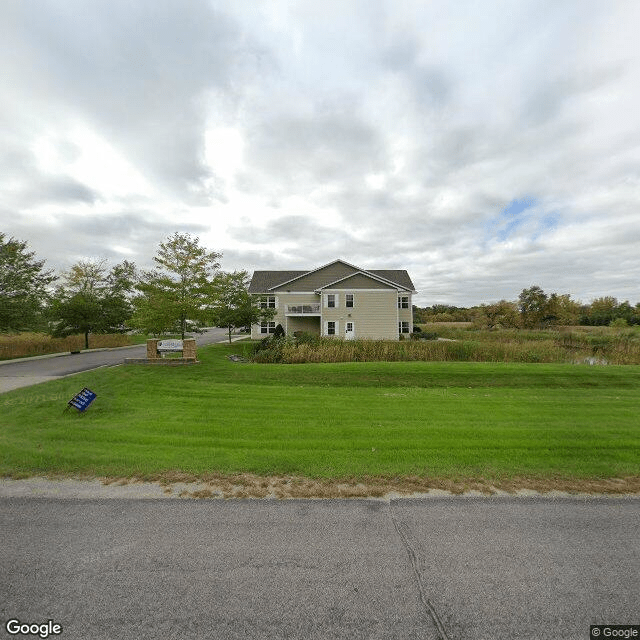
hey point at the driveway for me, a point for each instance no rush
(29, 371)
(448, 568)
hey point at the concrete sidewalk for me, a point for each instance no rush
(9, 383)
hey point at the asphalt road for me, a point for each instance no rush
(462, 568)
(28, 371)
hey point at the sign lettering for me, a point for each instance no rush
(82, 400)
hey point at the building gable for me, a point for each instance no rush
(318, 278)
(360, 280)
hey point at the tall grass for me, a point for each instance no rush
(35, 344)
(621, 347)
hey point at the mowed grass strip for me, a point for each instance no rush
(349, 420)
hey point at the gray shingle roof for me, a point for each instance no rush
(399, 276)
(262, 281)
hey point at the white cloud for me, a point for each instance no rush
(288, 134)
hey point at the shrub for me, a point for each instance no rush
(304, 337)
(619, 323)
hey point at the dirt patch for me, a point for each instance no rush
(282, 487)
(176, 485)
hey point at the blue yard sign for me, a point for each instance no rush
(82, 400)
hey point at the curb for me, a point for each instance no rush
(67, 353)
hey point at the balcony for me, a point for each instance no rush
(311, 309)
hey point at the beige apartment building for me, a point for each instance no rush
(337, 299)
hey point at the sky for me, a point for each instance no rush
(484, 146)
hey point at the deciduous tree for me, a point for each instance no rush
(178, 294)
(24, 286)
(500, 315)
(234, 307)
(532, 304)
(93, 300)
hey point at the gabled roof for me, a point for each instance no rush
(265, 281)
(324, 266)
(366, 274)
(397, 276)
(262, 281)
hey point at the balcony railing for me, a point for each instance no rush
(303, 309)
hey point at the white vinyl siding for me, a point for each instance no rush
(405, 313)
(376, 315)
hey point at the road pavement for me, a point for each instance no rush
(450, 568)
(29, 371)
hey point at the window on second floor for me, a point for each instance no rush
(403, 302)
(331, 300)
(268, 302)
(349, 300)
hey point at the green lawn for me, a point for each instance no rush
(448, 420)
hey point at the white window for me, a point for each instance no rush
(332, 328)
(268, 302)
(403, 327)
(267, 327)
(332, 300)
(403, 302)
(349, 300)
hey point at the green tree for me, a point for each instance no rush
(23, 286)
(532, 304)
(92, 300)
(117, 307)
(562, 310)
(178, 294)
(234, 306)
(500, 315)
(601, 311)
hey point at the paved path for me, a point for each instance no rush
(29, 371)
(458, 568)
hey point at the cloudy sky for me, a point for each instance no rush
(483, 146)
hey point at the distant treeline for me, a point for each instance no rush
(535, 309)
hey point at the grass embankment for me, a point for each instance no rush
(414, 424)
(22, 345)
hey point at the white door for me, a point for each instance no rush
(349, 333)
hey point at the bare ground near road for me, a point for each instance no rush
(182, 485)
